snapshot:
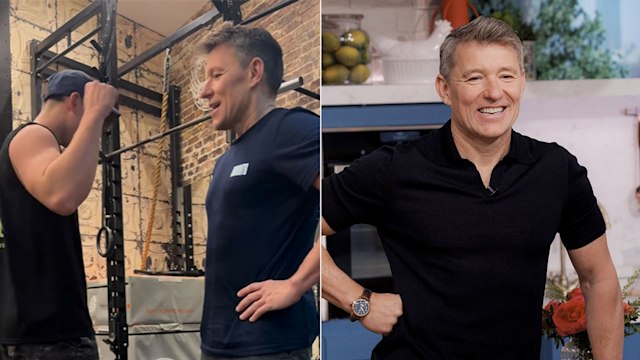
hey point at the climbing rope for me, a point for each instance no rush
(158, 168)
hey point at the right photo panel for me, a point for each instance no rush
(480, 188)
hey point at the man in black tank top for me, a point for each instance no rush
(43, 301)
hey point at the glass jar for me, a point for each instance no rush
(571, 352)
(345, 50)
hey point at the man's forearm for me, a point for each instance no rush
(308, 272)
(261, 297)
(79, 159)
(337, 287)
(605, 318)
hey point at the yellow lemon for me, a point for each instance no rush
(348, 55)
(359, 74)
(356, 38)
(327, 60)
(335, 74)
(330, 42)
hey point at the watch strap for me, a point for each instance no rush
(366, 295)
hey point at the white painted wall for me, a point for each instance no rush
(605, 141)
(399, 19)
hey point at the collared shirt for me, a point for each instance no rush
(469, 262)
(262, 212)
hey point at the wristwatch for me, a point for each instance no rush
(360, 307)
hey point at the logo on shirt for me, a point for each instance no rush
(240, 170)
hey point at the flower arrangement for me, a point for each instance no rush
(565, 316)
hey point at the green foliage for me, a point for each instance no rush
(630, 282)
(569, 45)
(555, 292)
(506, 11)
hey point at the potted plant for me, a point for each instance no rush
(506, 11)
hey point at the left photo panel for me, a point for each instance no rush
(159, 179)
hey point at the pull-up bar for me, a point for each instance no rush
(285, 86)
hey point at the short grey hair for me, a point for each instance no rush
(482, 30)
(250, 43)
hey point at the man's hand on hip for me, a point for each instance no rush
(262, 297)
(385, 309)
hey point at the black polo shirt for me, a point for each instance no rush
(469, 263)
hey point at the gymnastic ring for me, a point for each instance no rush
(109, 241)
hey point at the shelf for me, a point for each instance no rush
(398, 107)
(379, 94)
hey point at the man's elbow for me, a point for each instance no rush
(62, 205)
(326, 229)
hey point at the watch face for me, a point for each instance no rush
(360, 307)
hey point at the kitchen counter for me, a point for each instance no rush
(418, 106)
(378, 94)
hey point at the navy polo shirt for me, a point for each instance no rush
(470, 264)
(262, 211)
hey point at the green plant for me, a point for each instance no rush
(570, 45)
(508, 12)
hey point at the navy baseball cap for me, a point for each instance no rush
(65, 82)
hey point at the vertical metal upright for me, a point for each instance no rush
(173, 114)
(181, 245)
(36, 80)
(112, 188)
(188, 229)
(6, 110)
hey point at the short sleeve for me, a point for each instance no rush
(358, 194)
(297, 147)
(582, 221)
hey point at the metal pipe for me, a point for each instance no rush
(122, 84)
(69, 49)
(285, 86)
(296, 85)
(269, 11)
(291, 84)
(6, 106)
(67, 27)
(36, 81)
(158, 136)
(179, 35)
(309, 93)
(189, 29)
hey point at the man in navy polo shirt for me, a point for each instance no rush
(262, 207)
(466, 216)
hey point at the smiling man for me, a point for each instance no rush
(262, 207)
(466, 216)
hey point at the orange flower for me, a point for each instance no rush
(574, 293)
(552, 304)
(570, 317)
(628, 309)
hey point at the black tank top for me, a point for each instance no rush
(43, 295)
